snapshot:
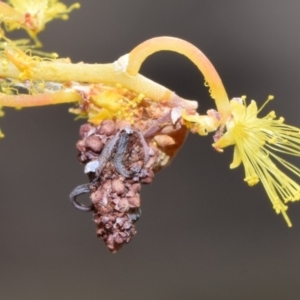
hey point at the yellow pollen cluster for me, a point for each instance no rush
(110, 103)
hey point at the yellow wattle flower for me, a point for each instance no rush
(256, 144)
(38, 13)
(32, 15)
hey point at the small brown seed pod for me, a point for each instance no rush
(118, 187)
(94, 143)
(107, 128)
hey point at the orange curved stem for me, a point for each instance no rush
(212, 79)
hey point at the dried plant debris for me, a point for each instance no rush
(118, 159)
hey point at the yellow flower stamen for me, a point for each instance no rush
(256, 140)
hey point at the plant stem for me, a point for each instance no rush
(138, 55)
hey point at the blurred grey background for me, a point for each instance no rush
(204, 234)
